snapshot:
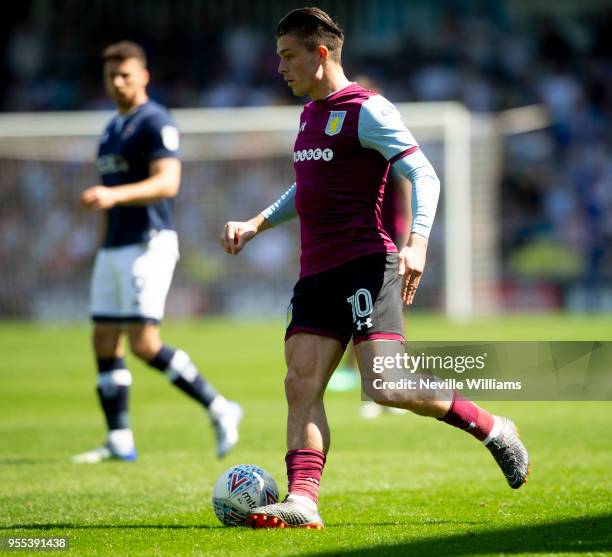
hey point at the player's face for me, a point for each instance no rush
(126, 81)
(301, 69)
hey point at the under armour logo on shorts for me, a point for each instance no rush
(367, 323)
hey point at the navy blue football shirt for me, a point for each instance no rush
(127, 147)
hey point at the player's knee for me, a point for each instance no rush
(301, 386)
(142, 348)
(395, 398)
(385, 397)
(295, 384)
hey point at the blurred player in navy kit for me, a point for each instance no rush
(140, 172)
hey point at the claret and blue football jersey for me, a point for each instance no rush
(344, 149)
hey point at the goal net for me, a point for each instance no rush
(235, 162)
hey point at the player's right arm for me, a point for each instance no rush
(163, 183)
(237, 233)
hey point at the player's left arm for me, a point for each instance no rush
(381, 128)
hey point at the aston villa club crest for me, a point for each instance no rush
(334, 124)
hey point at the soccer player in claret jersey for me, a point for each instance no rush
(352, 279)
(140, 171)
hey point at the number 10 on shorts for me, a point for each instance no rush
(361, 305)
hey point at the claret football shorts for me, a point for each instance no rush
(131, 283)
(359, 299)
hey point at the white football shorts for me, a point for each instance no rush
(130, 283)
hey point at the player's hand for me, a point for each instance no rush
(411, 266)
(98, 198)
(236, 234)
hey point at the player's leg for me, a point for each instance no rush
(146, 344)
(311, 359)
(377, 319)
(114, 379)
(318, 330)
(113, 389)
(498, 434)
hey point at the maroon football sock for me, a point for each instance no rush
(465, 415)
(304, 469)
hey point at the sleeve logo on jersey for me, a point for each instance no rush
(335, 121)
(170, 138)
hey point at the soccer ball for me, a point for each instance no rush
(240, 489)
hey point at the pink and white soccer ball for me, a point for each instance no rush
(240, 489)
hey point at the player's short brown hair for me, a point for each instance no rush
(118, 52)
(313, 27)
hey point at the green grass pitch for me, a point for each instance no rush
(399, 485)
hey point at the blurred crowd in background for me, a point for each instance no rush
(556, 209)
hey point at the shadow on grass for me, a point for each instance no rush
(579, 535)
